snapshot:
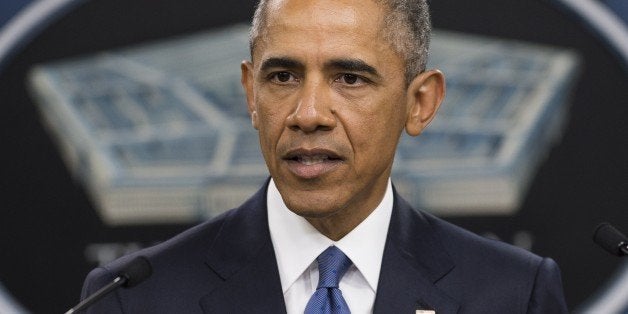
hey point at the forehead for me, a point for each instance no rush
(323, 27)
(332, 13)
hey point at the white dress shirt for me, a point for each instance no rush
(297, 244)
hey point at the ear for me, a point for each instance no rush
(425, 93)
(247, 84)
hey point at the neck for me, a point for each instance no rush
(343, 221)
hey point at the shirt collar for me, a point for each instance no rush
(297, 243)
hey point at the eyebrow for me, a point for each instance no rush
(352, 65)
(280, 62)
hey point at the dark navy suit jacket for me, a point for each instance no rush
(227, 265)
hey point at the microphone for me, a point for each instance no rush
(611, 239)
(133, 273)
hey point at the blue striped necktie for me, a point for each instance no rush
(332, 265)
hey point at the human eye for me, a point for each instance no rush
(351, 79)
(282, 77)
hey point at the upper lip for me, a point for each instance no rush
(304, 152)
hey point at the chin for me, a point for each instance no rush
(308, 210)
(314, 214)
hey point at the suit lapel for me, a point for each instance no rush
(242, 256)
(414, 261)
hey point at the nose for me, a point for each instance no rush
(313, 111)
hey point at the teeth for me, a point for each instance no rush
(312, 160)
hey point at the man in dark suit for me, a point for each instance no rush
(330, 87)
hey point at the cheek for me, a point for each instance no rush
(272, 108)
(379, 120)
(373, 137)
(270, 124)
(375, 133)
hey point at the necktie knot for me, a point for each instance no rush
(327, 299)
(332, 265)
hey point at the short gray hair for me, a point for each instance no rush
(407, 27)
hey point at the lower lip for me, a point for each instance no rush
(304, 171)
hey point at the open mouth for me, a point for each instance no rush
(312, 157)
(313, 160)
(312, 163)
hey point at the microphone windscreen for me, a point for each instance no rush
(609, 238)
(136, 271)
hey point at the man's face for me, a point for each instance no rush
(328, 97)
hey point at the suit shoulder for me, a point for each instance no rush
(485, 268)
(464, 244)
(201, 235)
(177, 265)
(195, 241)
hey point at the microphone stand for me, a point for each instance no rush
(119, 281)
